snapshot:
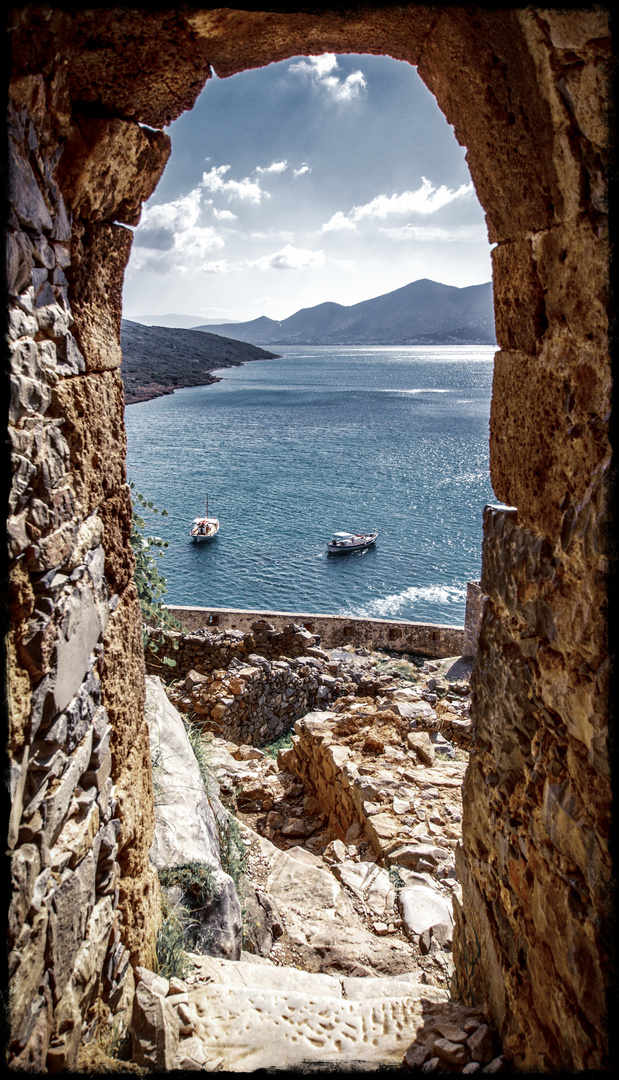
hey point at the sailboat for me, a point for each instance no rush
(204, 528)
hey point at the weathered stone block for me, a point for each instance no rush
(80, 633)
(30, 968)
(25, 194)
(154, 1030)
(93, 441)
(19, 261)
(25, 866)
(96, 273)
(110, 167)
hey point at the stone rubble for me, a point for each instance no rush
(348, 886)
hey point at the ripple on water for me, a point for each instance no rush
(294, 449)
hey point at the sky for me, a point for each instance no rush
(323, 178)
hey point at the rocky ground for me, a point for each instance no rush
(349, 830)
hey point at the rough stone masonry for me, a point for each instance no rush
(526, 91)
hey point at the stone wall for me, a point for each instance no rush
(85, 901)
(526, 92)
(254, 703)
(335, 631)
(535, 865)
(207, 651)
(472, 618)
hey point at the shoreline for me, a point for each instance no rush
(163, 389)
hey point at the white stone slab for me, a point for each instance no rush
(423, 908)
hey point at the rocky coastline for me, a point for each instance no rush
(158, 360)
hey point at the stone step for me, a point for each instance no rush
(271, 1016)
(241, 1016)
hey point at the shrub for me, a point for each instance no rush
(150, 584)
(199, 743)
(172, 959)
(283, 742)
(232, 848)
(196, 879)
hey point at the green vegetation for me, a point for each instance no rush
(232, 848)
(199, 743)
(462, 992)
(395, 878)
(283, 742)
(405, 666)
(173, 934)
(442, 755)
(196, 879)
(150, 584)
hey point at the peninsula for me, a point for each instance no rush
(159, 359)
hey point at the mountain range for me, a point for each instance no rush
(422, 313)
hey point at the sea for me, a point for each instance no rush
(326, 438)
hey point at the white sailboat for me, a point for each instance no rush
(204, 528)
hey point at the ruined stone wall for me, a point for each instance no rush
(85, 901)
(335, 631)
(535, 865)
(252, 704)
(525, 90)
(206, 651)
(68, 818)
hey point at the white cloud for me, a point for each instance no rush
(246, 189)
(275, 167)
(272, 234)
(432, 233)
(316, 66)
(319, 69)
(169, 238)
(339, 223)
(289, 258)
(224, 215)
(426, 199)
(301, 170)
(216, 266)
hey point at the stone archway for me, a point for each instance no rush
(525, 91)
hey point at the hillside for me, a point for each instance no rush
(421, 313)
(159, 359)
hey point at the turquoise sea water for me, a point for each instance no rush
(326, 438)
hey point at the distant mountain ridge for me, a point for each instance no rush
(422, 313)
(183, 322)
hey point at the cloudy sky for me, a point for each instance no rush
(317, 178)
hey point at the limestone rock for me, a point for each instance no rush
(154, 1030)
(420, 742)
(186, 820)
(481, 1044)
(422, 908)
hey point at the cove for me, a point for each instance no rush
(325, 438)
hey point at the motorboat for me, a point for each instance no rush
(344, 541)
(204, 528)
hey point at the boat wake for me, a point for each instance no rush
(435, 594)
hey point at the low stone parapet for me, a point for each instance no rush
(335, 631)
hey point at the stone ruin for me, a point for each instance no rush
(526, 91)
